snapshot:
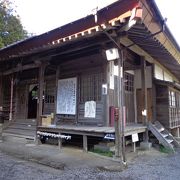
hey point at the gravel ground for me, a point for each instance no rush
(151, 165)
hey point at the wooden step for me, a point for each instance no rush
(164, 134)
(20, 132)
(20, 126)
(169, 140)
(7, 136)
(161, 129)
(158, 126)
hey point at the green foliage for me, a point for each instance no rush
(165, 150)
(103, 153)
(11, 29)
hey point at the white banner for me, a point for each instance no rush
(90, 109)
(66, 96)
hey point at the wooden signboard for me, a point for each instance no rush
(66, 96)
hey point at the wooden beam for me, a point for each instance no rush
(153, 95)
(144, 87)
(11, 100)
(144, 94)
(107, 98)
(163, 37)
(40, 92)
(1, 91)
(60, 143)
(20, 68)
(85, 146)
(136, 49)
(56, 89)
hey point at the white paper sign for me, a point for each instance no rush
(111, 84)
(135, 137)
(144, 112)
(112, 54)
(66, 96)
(104, 89)
(90, 109)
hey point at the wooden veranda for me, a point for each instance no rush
(86, 131)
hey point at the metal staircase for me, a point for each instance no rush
(165, 138)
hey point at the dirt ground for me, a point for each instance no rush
(74, 164)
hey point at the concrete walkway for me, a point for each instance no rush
(50, 155)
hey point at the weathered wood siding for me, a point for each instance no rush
(90, 77)
(162, 105)
(1, 90)
(140, 105)
(90, 89)
(49, 96)
(129, 104)
(7, 97)
(129, 98)
(174, 107)
(98, 120)
(168, 106)
(21, 101)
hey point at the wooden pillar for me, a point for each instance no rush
(144, 95)
(11, 99)
(78, 97)
(56, 89)
(60, 142)
(1, 91)
(119, 102)
(122, 104)
(1, 105)
(40, 92)
(104, 96)
(153, 96)
(85, 146)
(110, 89)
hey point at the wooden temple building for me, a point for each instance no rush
(61, 81)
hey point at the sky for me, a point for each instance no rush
(39, 16)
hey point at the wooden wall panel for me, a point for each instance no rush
(1, 91)
(99, 115)
(129, 103)
(21, 101)
(7, 97)
(49, 96)
(162, 105)
(140, 105)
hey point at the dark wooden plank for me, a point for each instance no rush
(50, 96)
(144, 94)
(85, 143)
(1, 91)
(20, 68)
(99, 114)
(21, 101)
(40, 92)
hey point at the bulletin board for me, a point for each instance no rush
(66, 96)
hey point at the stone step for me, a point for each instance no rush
(22, 126)
(21, 132)
(17, 138)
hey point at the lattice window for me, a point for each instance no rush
(129, 82)
(49, 99)
(91, 87)
(172, 99)
(174, 108)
